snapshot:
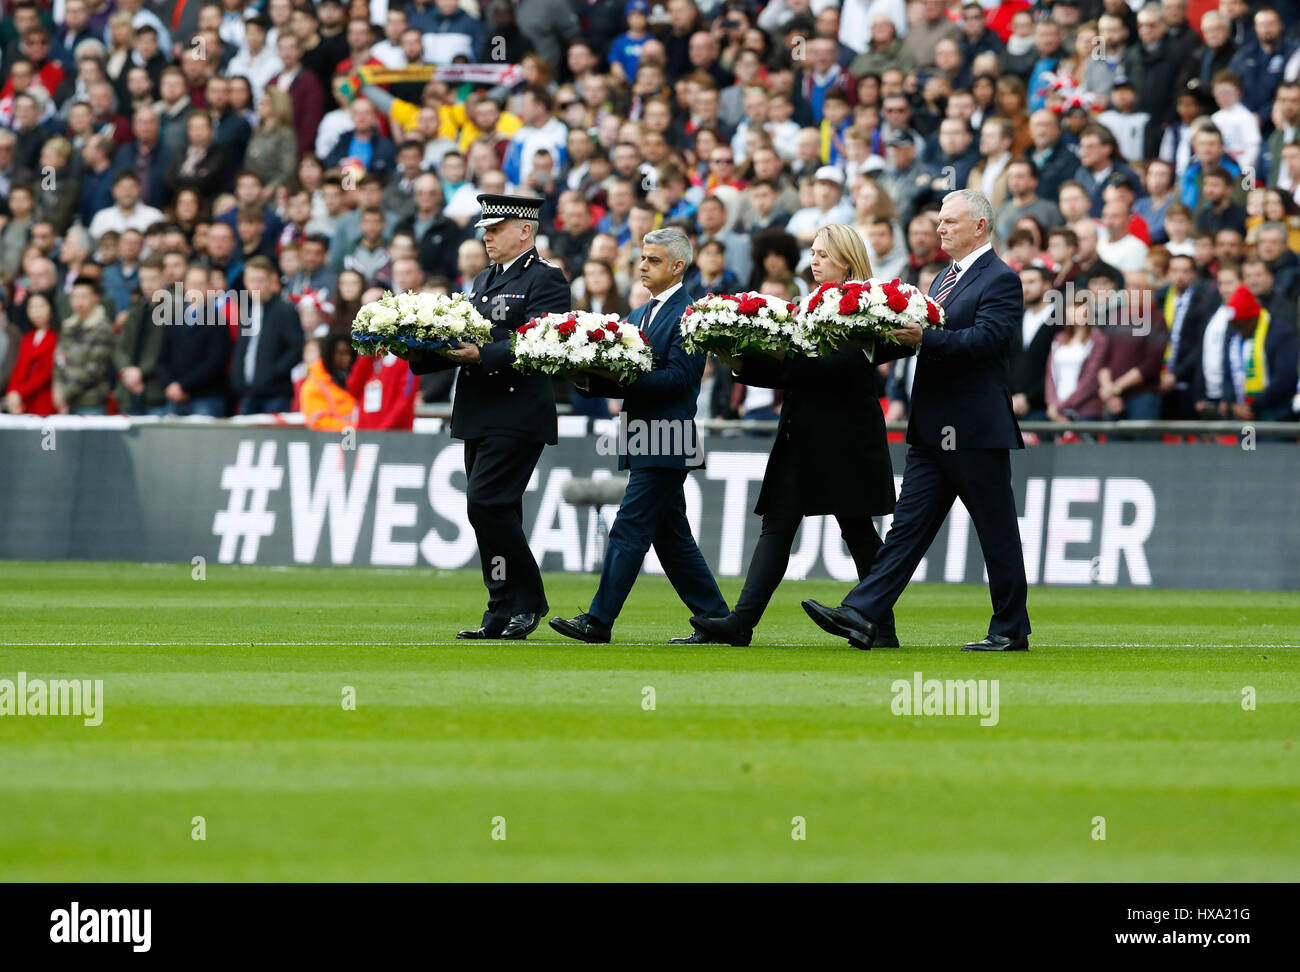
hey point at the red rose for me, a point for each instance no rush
(897, 303)
(792, 307)
(566, 328)
(527, 327)
(597, 335)
(814, 301)
(932, 312)
(750, 306)
(643, 337)
(849, 303)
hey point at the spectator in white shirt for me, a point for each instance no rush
(756, 100)
(774, 15)
(389, 50)
(255, 60)
(128, 212)
(1121, 248)
(830, 206)
(1178, 225)
(1126, 123)
(855, 20)
(335, 122)
(541, 130)
(1237, 123)
(140, 17)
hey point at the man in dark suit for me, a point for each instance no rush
(504, 417)
(960, 432)
(1186, 304)
(146, 156)
(1051, 152)
(662, 447)
(195, 350)
(1099, 159)
(270, 344)
(1033, 343)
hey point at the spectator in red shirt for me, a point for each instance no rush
(35, 47)
(360, 37)
(305, 92)
(30, 390)
(1129, 380)
(385, 390)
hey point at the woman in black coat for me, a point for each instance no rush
(200, 165)
(830, 457)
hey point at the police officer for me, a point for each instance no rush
(504, 417)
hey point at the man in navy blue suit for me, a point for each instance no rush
(659, 444)
(960, 433)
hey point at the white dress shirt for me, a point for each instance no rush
(962, 265)
(663, 299)
(509, 263)
(1033, 320)
(965, 262)
(254, 325)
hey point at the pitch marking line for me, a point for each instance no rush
(617, 644)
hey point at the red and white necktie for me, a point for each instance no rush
(949, 281)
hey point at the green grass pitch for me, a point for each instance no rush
(223, 699)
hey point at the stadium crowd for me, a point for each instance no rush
(1143, 161)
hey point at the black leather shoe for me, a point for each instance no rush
(843, 622)
(521, 626)
(726, 631)
(885, 639)
(582, 628)
(695, 638)
(998, 643)
(484, 632)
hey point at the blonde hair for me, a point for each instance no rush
(845, 248)
(281, 106)
(61, 145)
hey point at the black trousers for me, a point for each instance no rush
(772, 557)
(932, 480)
(498, 468)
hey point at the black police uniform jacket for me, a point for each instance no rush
(492, 398)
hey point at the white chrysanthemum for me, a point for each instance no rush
(381, 316)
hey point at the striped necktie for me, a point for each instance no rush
(949, 281)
